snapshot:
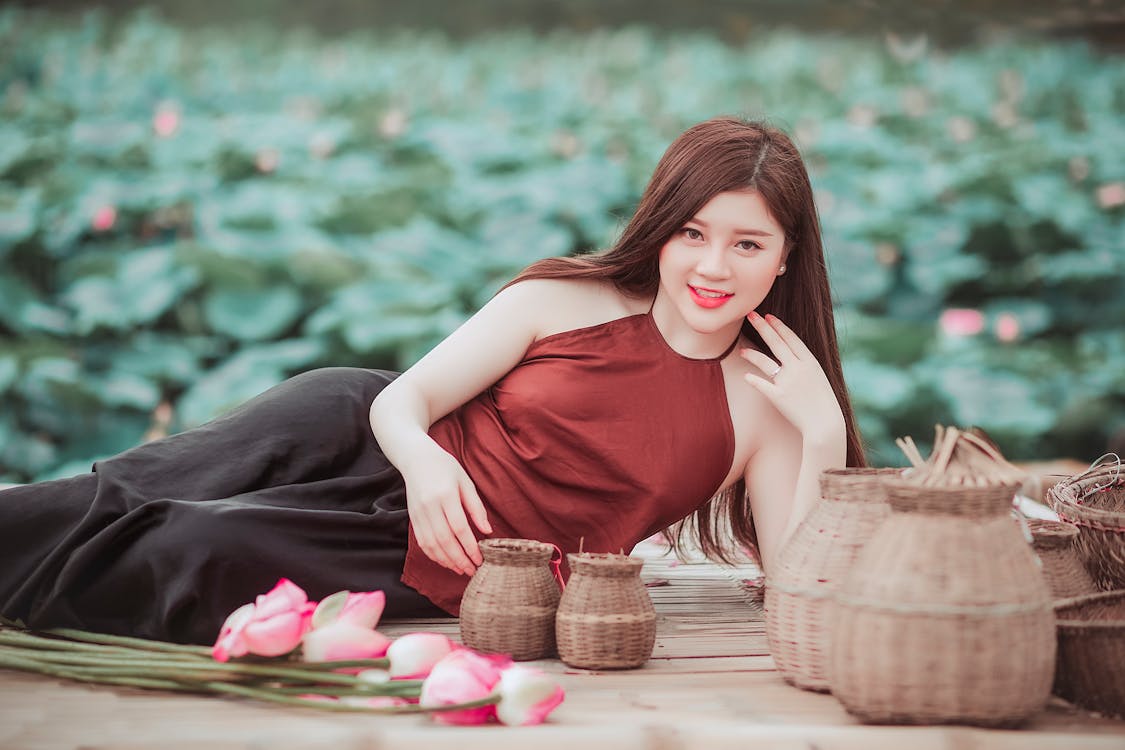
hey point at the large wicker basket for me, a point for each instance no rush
(1095, 502)
(1091, 652)
(1053, 542)
(945, 616)
(812, 566)
(606, 619)
(509, 606)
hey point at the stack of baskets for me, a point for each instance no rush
(1091, 629)
(1094, 501)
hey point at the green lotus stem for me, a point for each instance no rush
(210, 670)
(124, 640)
(24, 639)
(24, 665)
(343, 707)
(387, 688)
(268, 668)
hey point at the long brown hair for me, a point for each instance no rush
(716, 156)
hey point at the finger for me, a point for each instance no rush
(474, 506)
(764, 385)
(790, 337)
(772, 338)
(446, 549)
(768, 366)
(462, 534)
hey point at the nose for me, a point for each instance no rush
(712, 263)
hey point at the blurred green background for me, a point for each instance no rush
(198, 200)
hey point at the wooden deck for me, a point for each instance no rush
(711, 684)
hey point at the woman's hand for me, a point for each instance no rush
(441, 499)
(794, 381)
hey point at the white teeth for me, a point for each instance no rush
(709, 294)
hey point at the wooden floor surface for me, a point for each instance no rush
(710, 684)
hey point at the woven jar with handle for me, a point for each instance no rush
(509, 605)
(945, 616)
(1053, 542)
(606, 619)
(812, 566)
(1094, 501)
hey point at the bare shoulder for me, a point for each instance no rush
(566, 304)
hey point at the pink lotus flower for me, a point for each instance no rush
(271, 625)
(461, 677)
(414, 655)
(527, 696)
(343, 640)
(960, 321)
(363, 609)
(166, 119)
(1007, 327)
(104, 219)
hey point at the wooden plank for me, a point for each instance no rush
(711, 684)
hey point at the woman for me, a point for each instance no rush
(593, 401)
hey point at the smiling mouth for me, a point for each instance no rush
(708, 297)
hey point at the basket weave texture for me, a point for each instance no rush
(946, 616)
(509, 605)
(606, 619)
(1095, 503)
(812, 566)
(1091, 657)
(1054, 542)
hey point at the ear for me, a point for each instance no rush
(784, 265)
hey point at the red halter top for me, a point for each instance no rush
(601, 435)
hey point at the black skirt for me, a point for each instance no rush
(165, 540)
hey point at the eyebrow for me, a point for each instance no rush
(753, 232)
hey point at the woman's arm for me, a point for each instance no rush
(440, 496)
(783, 476)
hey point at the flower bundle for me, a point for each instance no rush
(285, 649)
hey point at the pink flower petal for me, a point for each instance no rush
(527, 696)
(342, 640)
(414, 655)
(364, 609)
(461, 677)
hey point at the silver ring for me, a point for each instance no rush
(776, 370)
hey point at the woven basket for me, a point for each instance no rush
(606, 619)
(1054, 541)
(812, 566)
(1091, 661)
(1095, 502)
(509, 605)
(946, 616)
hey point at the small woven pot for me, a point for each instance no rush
(1095, 503)
(946, 616)
(1091, 660)
(509, 605)
(812, 566)
(1053, 542)
(606, 619)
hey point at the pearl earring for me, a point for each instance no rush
(781, 269)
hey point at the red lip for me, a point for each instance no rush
(708, 302)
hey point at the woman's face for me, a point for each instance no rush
(722, 262)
